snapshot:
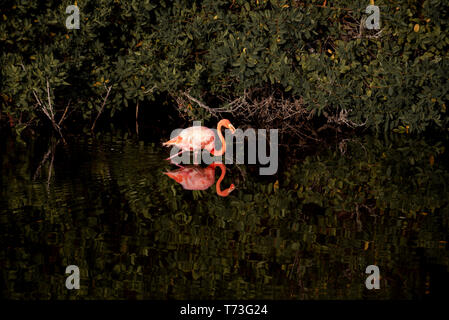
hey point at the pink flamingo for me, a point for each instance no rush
(197, 138)
(198, 178)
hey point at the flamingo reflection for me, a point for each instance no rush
(199, 178)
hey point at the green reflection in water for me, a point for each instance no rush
(135, 233)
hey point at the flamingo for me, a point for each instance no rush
(197, 138)
(198, 178)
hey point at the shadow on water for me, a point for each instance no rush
(309, 233)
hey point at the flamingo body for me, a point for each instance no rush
(193, 177)
(198, 178)
(197, 138)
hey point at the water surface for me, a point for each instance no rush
(307, 233)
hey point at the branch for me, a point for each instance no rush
(202, 105)
(150, 90)
(49, 101)
(102, 108)
(65, 112)
(50, 115)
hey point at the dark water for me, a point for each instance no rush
(307, 233)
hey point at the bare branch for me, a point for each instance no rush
(45, 109)
(63, 116)
(150, 90)
(102, 107)
(202, 105)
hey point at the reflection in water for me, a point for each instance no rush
(199, 178)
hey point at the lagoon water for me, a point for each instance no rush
(309, 232)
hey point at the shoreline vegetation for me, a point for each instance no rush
(297, 66)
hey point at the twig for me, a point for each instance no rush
(202, 105)
(51, 150)
(102, 107)
(44, 159)
(65, 112)
(49, 102)
(48, 110)
(150, 90)
(137, 117)
(50, 169)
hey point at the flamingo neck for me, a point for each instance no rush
(223, 193)
(222, 150)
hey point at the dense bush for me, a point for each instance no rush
(213, 52)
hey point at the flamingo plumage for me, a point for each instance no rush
(198, 178)
(197, 138)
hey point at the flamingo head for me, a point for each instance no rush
(227, 191)
(227, 124)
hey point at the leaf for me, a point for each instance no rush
(366, 245)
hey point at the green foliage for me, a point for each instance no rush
(220, 48)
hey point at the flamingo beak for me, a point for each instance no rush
(231, 127)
